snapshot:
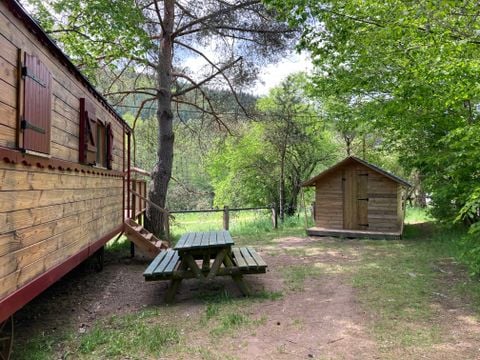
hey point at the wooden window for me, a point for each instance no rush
(88, 133)
(109, 146)
(96, 137)
(37, 106)
(101, 144)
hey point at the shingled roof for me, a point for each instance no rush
(352, 159)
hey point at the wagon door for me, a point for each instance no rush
(355, 198)
(362, 199)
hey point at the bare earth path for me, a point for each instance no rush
(319, 314)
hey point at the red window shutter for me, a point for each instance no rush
(109, 146)
(88, 133)
(36, 121)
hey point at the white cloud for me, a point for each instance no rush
(272, 75)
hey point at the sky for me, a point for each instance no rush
(273, 74)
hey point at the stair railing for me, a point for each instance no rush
(139, 200)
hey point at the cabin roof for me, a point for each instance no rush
(32, 25)
(353, 159)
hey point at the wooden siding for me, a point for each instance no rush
(329, 202)
(66, 92)
(382, 203)
(339, 206)
(48, 215)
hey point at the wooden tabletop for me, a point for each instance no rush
(199, 240)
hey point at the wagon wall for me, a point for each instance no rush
(51, 207)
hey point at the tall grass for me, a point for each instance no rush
(242, 223)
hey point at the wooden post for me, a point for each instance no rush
(226, 218)
(166, 225)
(134, 200)
(274, 217)
(304, 208)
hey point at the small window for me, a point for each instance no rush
(96, 137)
(37, 106)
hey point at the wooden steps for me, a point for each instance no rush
(144, 239)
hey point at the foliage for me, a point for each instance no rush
(153, 40)
(407, 71)
(273, 155)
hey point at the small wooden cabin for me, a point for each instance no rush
(63, 160)
(357, 199)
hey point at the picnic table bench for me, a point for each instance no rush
(218, 258)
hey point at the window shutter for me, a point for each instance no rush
(109, 146)
(88, 133)
(36, 121)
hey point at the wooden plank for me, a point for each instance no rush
(168, 256)
(197, 240)
(258, 259)
(228, 238)
(154, 264)
(248, 258)
(239, 258)
(8, 71)
(205, 239)
(212, 239)
(173, 262)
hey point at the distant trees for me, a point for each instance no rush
(228, 39)
(274, 154)
(410, 71)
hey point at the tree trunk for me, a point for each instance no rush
(282, 188)
(162, 171)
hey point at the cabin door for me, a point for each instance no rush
(355, 198)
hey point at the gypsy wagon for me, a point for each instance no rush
(355, 198)
(64, 166)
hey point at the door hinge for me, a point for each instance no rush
(363, 174)
(26, 73)
(364, 199)
(27, 125)
(366, 225)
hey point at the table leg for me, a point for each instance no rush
(206, 262)
(216, 264)
(174, 284)
(237, 278)
(191, 263)
(172, 290)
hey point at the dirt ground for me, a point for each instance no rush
(324, 321)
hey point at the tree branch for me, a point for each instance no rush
(218, 69)
(214, 15)
(207, 79)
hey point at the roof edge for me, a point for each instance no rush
(399, 180)
(31, 24)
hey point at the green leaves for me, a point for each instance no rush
(408, 71)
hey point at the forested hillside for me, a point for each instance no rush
(394, 83)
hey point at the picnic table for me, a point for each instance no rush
(216, 254)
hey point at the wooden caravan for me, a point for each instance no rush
(64, 165)
(357, 199)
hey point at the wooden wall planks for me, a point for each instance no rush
(383, 210)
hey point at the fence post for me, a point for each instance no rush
(226, 218)
(274, 217)
(166, 225)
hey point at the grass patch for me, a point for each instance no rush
(296, 275)
(397, 282)
(136, 335)
(39, 348)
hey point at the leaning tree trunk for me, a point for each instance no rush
(162, 172)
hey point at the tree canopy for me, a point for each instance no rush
(409, 72)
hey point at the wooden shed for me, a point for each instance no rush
(64, 166)
(355, 198)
